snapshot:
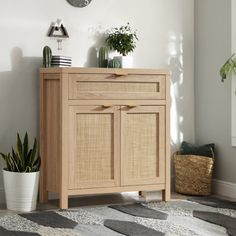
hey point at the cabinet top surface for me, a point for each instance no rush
(103, 70)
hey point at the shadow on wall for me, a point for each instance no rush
(19, 96)
(98, 36)
(175, 63)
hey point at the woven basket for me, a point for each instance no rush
(193, 174)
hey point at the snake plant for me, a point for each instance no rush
(23, 159)
(228, 68)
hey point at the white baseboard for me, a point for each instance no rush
(223, 188)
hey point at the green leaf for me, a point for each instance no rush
(122, 39)
(33, 156)
(37, 164)
(19, 145)
(228, 68)
(11, 163)
(4, 156)
(28, 158)
(8, 164)
(28, 169)
(25, 149)
(22, 159)
(16, 166)
(17, 159)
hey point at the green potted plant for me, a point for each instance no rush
(228, 68)
(123, 40)
(21, 175)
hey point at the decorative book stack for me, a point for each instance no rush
(61, 61)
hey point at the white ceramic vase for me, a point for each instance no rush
(21, 190)
(125, 61)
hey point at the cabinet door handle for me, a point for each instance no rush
(106, 106)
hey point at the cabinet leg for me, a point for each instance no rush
(166, 195)
(43, 193)
(141, 193)
(43, 196)
(64, 202)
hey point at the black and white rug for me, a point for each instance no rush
(196, 216)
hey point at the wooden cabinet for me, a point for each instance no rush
(104, 131)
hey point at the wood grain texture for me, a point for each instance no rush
(64, 141)
(93, 158)
(49, 133)
(43, 194)
(118, 71)
(52, 112)
(110, 86)
(143, 145)
(119, 189)
(167, 191)
(117, 102)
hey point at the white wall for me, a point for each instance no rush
(212, 97)
(233, 80)
(166, 40)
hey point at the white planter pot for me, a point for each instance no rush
(126, 61)
(21, 190)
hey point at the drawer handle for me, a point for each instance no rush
(121, 74)
(106, 106)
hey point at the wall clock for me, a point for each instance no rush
(79, 3)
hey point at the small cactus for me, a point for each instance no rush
(114, 63)
(47, 56)
(103, 57)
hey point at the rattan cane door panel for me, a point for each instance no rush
(142, 145)
(94, 152)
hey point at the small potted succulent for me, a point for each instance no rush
(228, 68)
(123, 40)
(21, 175)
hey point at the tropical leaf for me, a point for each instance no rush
(228, 68)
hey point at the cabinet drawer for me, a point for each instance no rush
(112, 86)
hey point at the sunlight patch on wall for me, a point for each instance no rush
(175, 62)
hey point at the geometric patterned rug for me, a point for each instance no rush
(196, 217)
